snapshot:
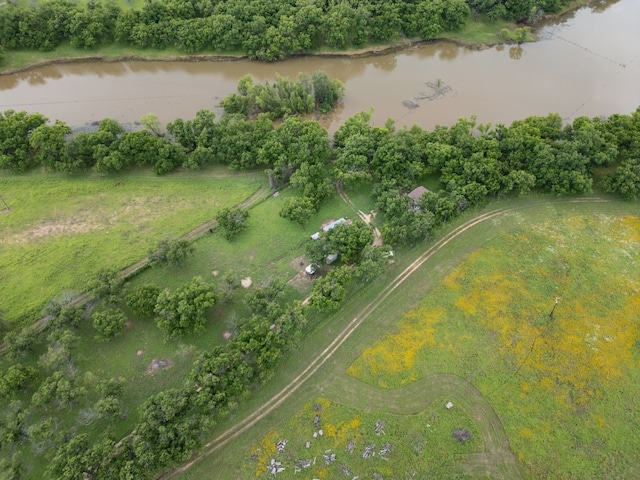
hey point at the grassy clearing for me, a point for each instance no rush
(264, 251)
(479, 33)
(559, 384)
(228, 460)
(61, 230)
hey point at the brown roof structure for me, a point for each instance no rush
(417, 192)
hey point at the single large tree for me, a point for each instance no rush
(173, 252)
(183, 310)
(232, 221)
(109, 323)
(107, 285)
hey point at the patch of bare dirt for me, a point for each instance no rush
(56, 229)
(300, 281)
(377, 241)
(135, 211)
(298, 263)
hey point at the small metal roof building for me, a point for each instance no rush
(328, 227)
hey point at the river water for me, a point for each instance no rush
(587, 63)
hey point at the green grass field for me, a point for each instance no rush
(117, 219)
(439, 351)
(61, 230)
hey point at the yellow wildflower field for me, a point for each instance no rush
(545, 322)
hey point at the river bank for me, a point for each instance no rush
(370, 51)
(476, 35)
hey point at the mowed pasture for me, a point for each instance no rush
(542, 397)
(61, 230)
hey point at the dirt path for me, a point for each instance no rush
(327, 353)
(137, 267)
(496, 461)
(366, 218)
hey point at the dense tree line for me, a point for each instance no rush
(474, 162)
(267, 30)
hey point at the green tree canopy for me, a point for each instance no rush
(232, 221)
(171, 252)
(183, 310)
(109, 323)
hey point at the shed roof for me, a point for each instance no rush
(417, 192)
(329, 226)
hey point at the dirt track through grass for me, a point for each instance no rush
(497, 461)
(327, 353)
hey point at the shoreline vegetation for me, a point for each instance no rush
(114, 53)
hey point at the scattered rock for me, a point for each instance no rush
(369, 451)
(346, 470)
(140, 352)
(227, 334)
(215, 273)
(351, 446)
(329, 458)
(387, 448)
(246, 282)
(157, 364)
(275, 467)
(462, 435)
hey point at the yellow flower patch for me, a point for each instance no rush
(396, 353)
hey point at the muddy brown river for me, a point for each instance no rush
(587, 63)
